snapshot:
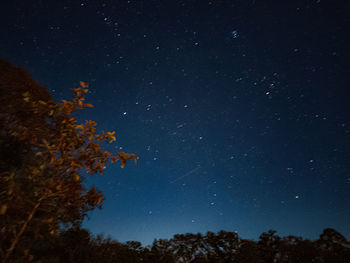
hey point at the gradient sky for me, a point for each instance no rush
(239, 110)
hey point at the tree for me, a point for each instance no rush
(269, 244)
(333, 246)
(43, 154)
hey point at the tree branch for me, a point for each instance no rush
(23, 228)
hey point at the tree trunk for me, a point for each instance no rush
(23, 228)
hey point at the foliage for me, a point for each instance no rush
(78, 245)
(44, 151)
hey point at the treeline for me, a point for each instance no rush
(78, 245)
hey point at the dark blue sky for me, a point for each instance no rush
(238, 109)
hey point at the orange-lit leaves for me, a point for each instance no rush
(111, 136)
(3, 209)
(124, 157)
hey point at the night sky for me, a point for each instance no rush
(238, 110)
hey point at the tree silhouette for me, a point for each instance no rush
(333, 246)
(43, 153)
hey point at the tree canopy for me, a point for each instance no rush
(77, 245)
(44, 152)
